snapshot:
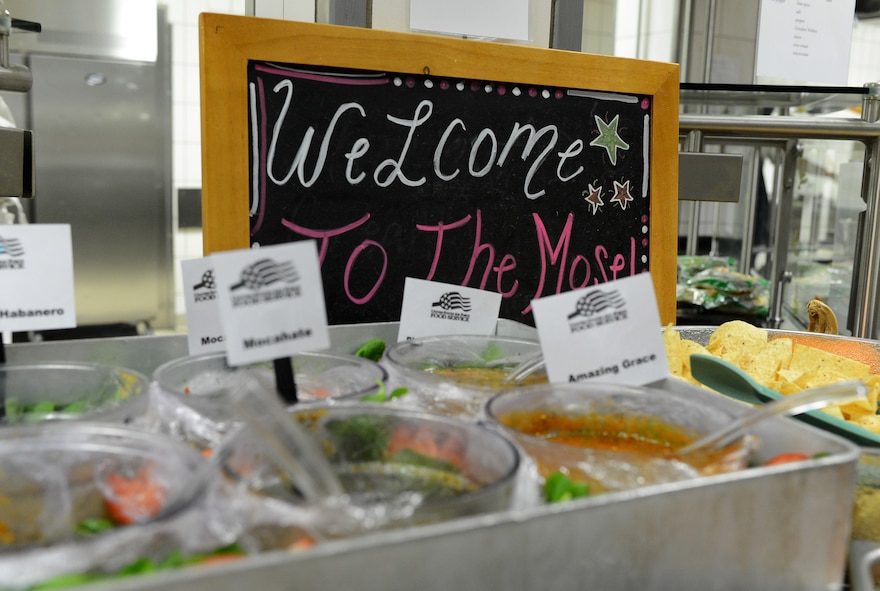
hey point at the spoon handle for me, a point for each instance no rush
(293, 450)
(530, 364)
(803, 401)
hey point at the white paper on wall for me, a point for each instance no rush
(501, 19)
(805, 40)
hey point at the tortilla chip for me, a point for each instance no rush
(807, 359)
(732, 340)
(869, 422)
(785, 387)
(672, 344)
(689, 348)
(789, 375)
(873, 383)
(821, 376)
(855, 409)
(834, 411)
(764, 364)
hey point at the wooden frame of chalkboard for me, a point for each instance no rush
(525, 171)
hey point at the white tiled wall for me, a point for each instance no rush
(186, 142)
(602, 19)
(864, 65)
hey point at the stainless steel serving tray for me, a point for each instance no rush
(778, 527)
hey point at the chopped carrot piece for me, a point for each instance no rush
(303, 543)
(131, 500)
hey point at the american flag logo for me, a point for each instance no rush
(207, 281)
(453, 301)
(596, 301)
(266, 272)
(11, 247)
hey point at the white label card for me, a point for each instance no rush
(609, 332)
(805, 40)
(431, 308)
(271, 301)
(203, 327)
(36, 277)
(501, 19)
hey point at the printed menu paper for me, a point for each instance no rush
(431, 308)
(36, 277)
(805, 40)
(609, 332)
(271, 301)
(204, 334)
(497, 19)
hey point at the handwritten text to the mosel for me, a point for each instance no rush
(520, 189)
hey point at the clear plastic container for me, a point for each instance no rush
(58, 479)
(67, 390)
(615, 437)
(455, 375)
(194, 398)
(397, 466)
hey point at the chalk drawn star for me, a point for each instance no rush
(594, 198)
(608, 138)
(621, 194)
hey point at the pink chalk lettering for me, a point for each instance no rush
(440, 228)
(324, 235)
(350, 265)
(475, 253)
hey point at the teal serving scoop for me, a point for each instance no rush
(727, 378)
(730, 380)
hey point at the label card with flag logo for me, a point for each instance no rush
(609, 332)
(431, 308)
(203, 329)
(36, 277)
(271, 301)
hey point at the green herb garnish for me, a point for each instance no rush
(411, 456)
(89, 527)
(491, 353)
(372, 350)
(362, 438)
(382, 395)
(560, 488)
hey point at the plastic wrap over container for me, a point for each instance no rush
(614, 437)
(456, 375)
(81, 498)
(37, 391)
(395, 467)
(191, 394)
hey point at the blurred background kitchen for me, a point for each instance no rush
(115, 113)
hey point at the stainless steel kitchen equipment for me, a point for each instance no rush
(100, 110)
(16, 145)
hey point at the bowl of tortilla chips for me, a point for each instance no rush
(785, 362)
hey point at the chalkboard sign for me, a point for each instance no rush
(524, 184)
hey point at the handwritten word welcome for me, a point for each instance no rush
(486, 152)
